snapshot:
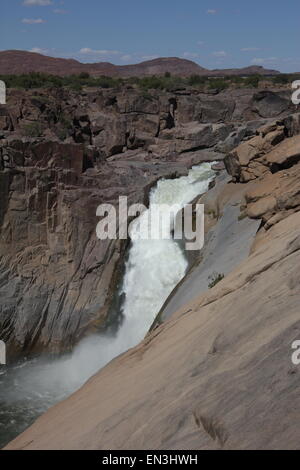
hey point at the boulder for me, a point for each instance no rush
(193, 136)
(275, 197)
(284, 155)
(263, 206)
(271, 104)
(292, 124)
(247, 161)
(108, 133)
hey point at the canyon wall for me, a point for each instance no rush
(61, 155)
(218, 372)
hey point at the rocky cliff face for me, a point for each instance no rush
(61, 155)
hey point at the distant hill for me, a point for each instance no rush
(251, 70)
(18, 62)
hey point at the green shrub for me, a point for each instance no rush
(242, 216)
(151, 83)
(237, 80)
(75, 82)
(107, 82)
(84, 75)
(218, 84)
(64, 126)
(195, 80)
(173, 82)
(281, 80)
(214, 279)
(253, 80)
(166, 82)
(33, 129)
(76, 86)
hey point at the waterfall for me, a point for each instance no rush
(153, 269)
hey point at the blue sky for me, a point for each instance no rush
(213, 33)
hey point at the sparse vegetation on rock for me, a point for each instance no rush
(33, 129)
(214, 279)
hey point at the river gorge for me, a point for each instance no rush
(153, 269)
(76, 312)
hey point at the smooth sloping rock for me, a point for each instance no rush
(217, 375)
(227, 244)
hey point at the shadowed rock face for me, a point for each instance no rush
(61, 155)
(57, 278)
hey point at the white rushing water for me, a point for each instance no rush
(153, 269)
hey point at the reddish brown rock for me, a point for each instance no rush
(275, 197)
(251, 160)
(285, 154)
(261, 207)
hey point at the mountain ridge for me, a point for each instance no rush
(15, 62)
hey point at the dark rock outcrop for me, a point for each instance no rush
(56, 278)
(114, 120)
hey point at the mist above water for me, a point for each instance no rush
(153, 269)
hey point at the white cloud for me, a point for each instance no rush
(266, 60)
(41, 3)
(58, 11)
(126, 57)
(212, 12)
(257, 60)
(200, 43)
(33, 21)
(220, 54)
(250, 49)
(39, 50)
(103, 52)
(190, 55)
(85, 50)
